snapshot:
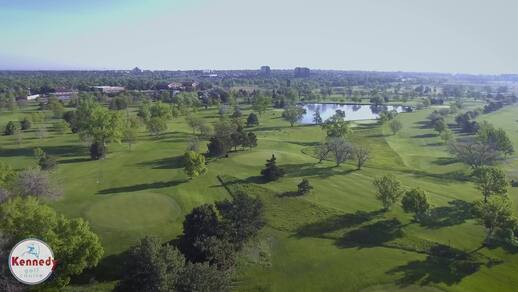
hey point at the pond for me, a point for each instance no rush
(353, 112)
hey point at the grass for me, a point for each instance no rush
(332, 239)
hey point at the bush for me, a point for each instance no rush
(272, 172)
(304, 187)
(97, 151)
(11, 128)
(25, 124)
(47, 162)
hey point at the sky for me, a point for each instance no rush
(454, 36)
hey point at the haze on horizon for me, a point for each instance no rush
(378, 35)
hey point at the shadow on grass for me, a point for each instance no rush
(310, 169)
(434, 270)
(109, 269)
(164, 163)
(141, 187)
(336, 222)
(74, 160)
(457, 212)
(424, 136)
(375, 234)
(445, 160)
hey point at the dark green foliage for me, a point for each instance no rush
(151, 266)
(216, 251)
(119, 103)
(242, 218)
(496, 138)
(202, 277)
(198, 225)
(11, 128)
(252, 120)
(71, 118)
(97, 151)
(293, 114)
(388, 190)
(272, 172)
(47, 162)
(219, 146)
(250, 141)
(491, 181)
(26, 124)
(304, 187)
(415, 201)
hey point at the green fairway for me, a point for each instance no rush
(335, 238)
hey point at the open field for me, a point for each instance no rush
(334, 239)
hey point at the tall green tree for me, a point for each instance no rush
(388, 190)
(293, 114)
(272, 172)
(152, 266)
(495, 213)
(491, 181)
(194, 164)
(416, 201)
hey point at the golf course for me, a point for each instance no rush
(337, 237)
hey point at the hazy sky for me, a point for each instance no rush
(470, 36)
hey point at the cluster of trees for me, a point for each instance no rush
(230, 134)
(488, 146)
(466, 121)
(205, 256)
(22, 215)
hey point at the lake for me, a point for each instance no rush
(353, 112)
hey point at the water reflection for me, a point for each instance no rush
(353, 112)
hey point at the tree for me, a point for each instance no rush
(98, 124)
(251, 140)
(440, 125)
(496, 212)
(491, 181)
(194, 164)
(129, 135)
(446, 135)
(156, 126)
(323, 151)
(33, 182)
(152, 266)
(361, 154)
(395, 126)
(341, 149)
(293, 114)
(496, 138)
(75, 246)
(47, 162)
(415, 201)
(261, 103)
(242, 218)
(337, 126)
(193, 122)
(193, 144)
(198, 225)
(11, 128)
(203, 277)
(252, 120)
(7, 174)
(219, 146)
(272, 172)
(61, 127)
(56, 107)
(474, 154)
(388, 190)
(97, 151)
(317, 119)
(25, 123)
(238, 138)
(304, 187)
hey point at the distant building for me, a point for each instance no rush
(183, 86)
(266, 71)
(302, 72)
(110, 89)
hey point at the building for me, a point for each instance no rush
(265, 71)
(110, 89)
(302, 72)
